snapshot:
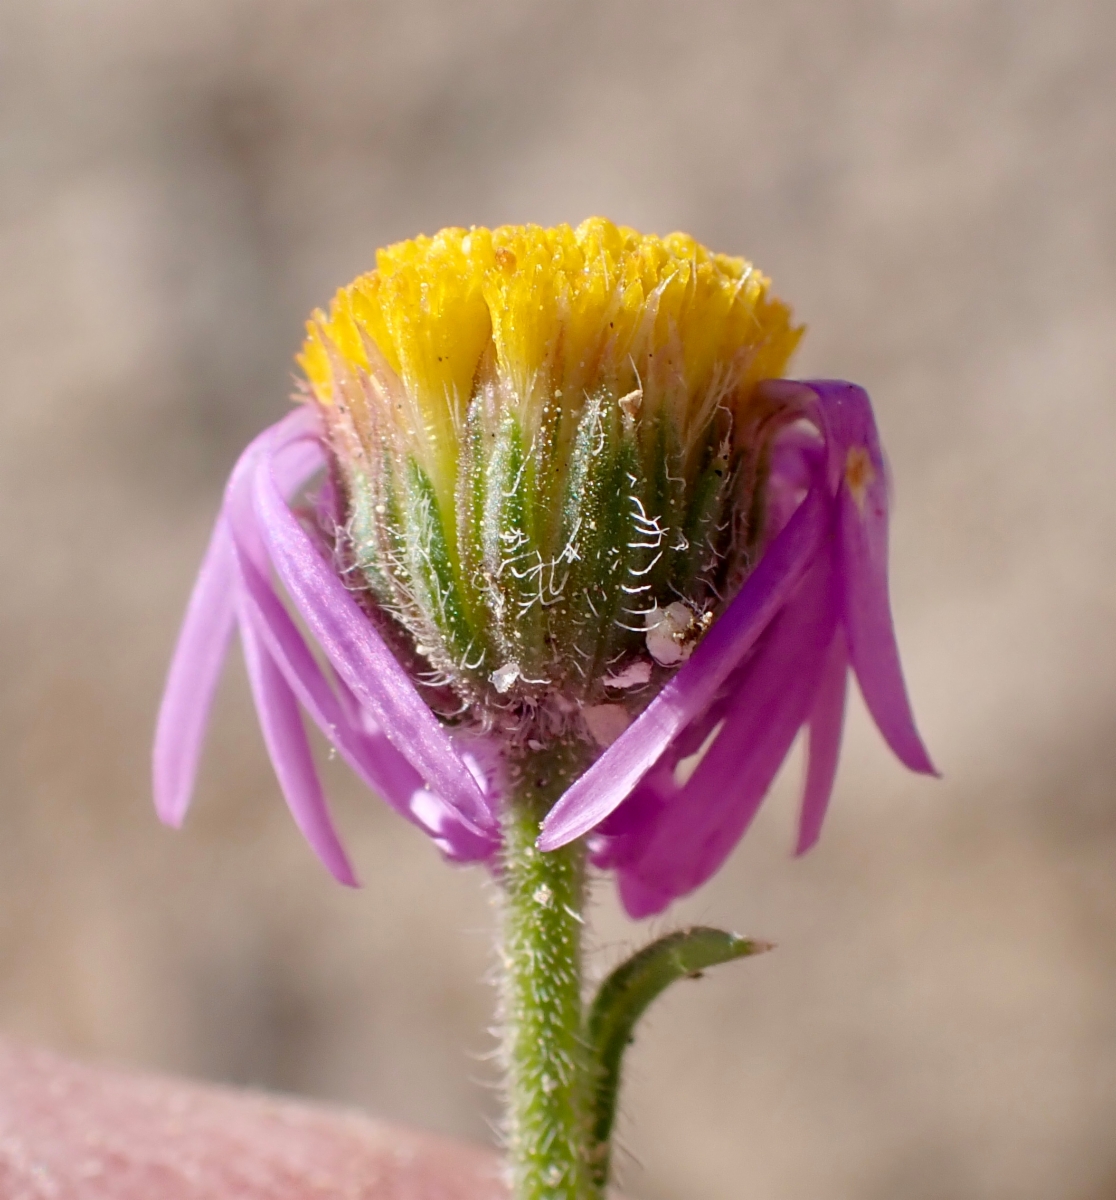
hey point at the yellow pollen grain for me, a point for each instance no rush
(859, 474)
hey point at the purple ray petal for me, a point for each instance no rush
(357, 652)
(707, 816)
(199, 656)
(858, 472)
(613, 776)
(640, 897)
(618, 837)
(797, 455)
(299, 433)
(827, 718)
(444, 826)
(873, 651)
(290, 754)
(332, 706)
(192, 678)
(370, 756)
(373, 758)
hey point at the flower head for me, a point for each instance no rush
(566, 499)
(549, 447)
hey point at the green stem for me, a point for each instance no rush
(547, 1062)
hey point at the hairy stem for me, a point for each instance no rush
(547, 1062)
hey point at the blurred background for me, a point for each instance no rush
(931, 184)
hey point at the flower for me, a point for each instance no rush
(546, 488)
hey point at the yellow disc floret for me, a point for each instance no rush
(560, 312)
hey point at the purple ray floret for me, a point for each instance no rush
(363, 701)
(673, 795)
(666, 803)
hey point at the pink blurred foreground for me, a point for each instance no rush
(75, 1132)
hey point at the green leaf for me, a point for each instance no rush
(624, 997)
